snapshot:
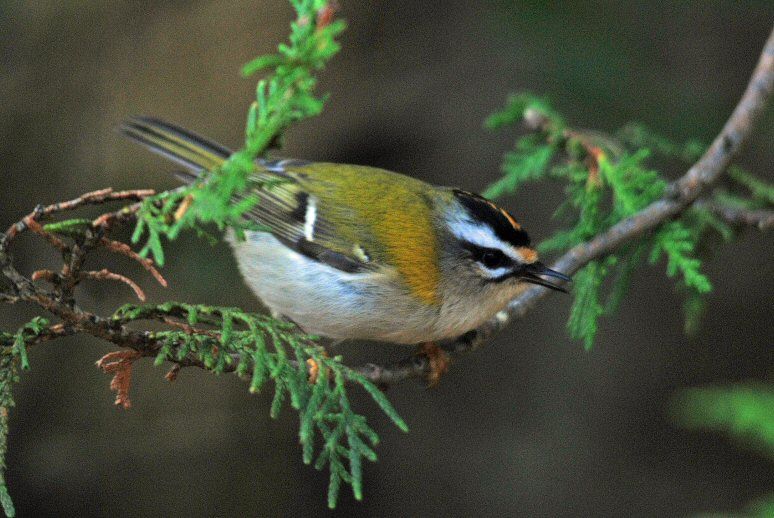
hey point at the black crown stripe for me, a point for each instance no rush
(503, 225)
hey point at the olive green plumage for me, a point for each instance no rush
(360, 210)
(361, 214)
(360, 252)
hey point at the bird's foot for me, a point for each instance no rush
(439, 362)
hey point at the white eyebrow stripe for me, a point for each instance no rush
(310, 218)
(483, 236)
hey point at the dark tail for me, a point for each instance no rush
(178, 144)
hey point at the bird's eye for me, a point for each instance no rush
(490, 258)
(493, 259)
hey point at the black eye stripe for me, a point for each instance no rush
(494, 259)
(490, 258)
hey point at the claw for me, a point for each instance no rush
(439, 362)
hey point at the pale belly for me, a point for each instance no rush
(328, 302)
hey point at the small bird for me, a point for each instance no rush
(357, 252)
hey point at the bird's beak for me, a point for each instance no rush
(532, 273)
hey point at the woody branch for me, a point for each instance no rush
(681, 194)
(59, 299)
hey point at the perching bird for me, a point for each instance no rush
(356, 252)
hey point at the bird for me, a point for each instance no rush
(353, 252)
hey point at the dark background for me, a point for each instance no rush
(531, 425)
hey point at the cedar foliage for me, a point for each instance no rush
(268, 349)
(260, 348)
(607, 179)
(263, 349)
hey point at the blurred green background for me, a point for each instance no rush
(529, 426)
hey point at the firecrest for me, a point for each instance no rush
(356, 252)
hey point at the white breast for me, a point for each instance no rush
(329, 302)
(326, 301)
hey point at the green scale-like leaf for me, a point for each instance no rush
(324, 407)
(606, 184)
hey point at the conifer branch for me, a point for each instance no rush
(260, 348)
(680, 195)
(256, 347)
(761, 219)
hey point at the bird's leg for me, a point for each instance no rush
(439, 361)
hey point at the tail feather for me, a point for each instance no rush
(186, 177)
(175, 143)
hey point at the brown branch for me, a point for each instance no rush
(187, 328)
(53, 332)
(45, 275)
(124, 249)
(107, 275)
(8, 298)
(74, 255)
(762, 219)
(682, 193)
(31, 223)
(90, 198)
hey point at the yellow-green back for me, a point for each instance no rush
(351, 217)
(388, 215)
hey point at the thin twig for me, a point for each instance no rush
(90, 198)
(107, 275)
(53, 332)
(32, 224)
(696, 181)
(189, 329)
(761, 219)
(124, 249)
(45, 275)
(7, 298)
